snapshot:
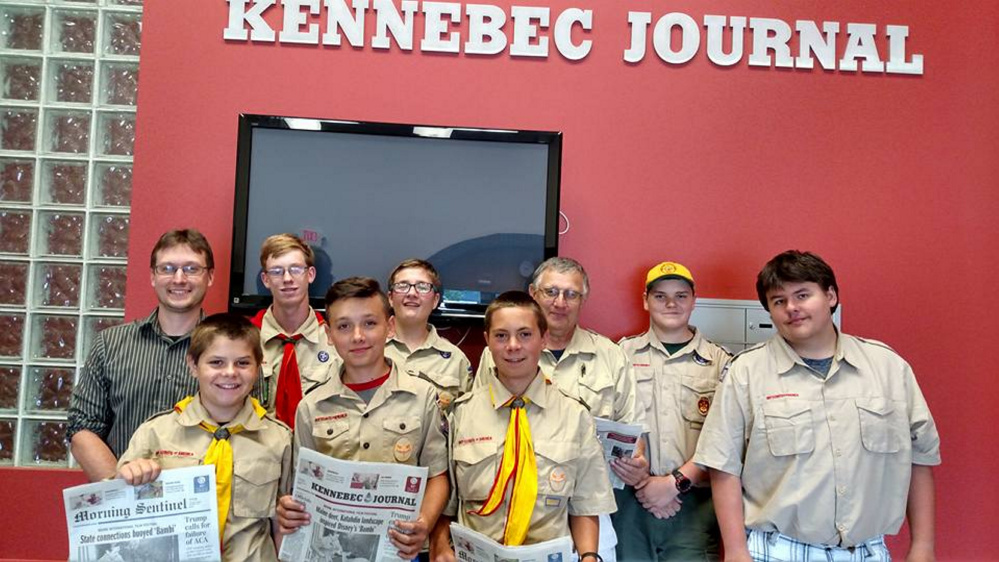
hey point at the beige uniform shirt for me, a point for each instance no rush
(674, 393)
(437, 361)
(572, 474)
(262, 469)
(592, 369)
(316, 357)
(822, 461)
(400, 425)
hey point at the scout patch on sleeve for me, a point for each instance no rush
(446, 354)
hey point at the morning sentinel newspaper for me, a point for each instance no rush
(352, 505)
(174, 517)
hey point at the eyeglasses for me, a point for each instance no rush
(552, 293)
(189, 270)
(402, 287)
(294, 270)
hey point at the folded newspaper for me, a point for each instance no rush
(352, 505)
(472, 546)
(618, 440)
(174, 517)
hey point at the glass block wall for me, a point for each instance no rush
(69, 75)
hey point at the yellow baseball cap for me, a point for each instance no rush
(668, 270)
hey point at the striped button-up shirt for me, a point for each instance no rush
(133, 371)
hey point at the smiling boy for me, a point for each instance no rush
(818, 443)
(297, 354)
(371, 412)
(224, 357)
(563, 485)
(416, 347)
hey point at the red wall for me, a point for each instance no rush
(890, 178)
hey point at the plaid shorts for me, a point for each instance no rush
(774, 547)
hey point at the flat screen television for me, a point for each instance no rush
(482, 205)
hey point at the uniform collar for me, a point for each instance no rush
(394, 383)
(582, 342)
(697, 344)
(432, 342)
(787, 357)
(311, 330)
(537, 391)
(195, 413)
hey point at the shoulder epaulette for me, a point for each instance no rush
(875, 343)
(159, 414)
(273, 418)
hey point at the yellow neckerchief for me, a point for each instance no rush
(220, 454)
(519, 464)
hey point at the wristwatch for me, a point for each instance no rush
(683, 484)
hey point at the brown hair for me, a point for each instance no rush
(435, 278)
(516, 299)
(224, 325)
(356, 288)
(794, 266)
(280, 244)
(189, 237)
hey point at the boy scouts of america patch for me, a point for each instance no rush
(323, 356)
(403, 449)
(703, 404)
(557, 479)
(701, 360)
(446, 354)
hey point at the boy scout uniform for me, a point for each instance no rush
(401, 424)
(572, 473)
(844, 446)
(317, 358)
(437, 361)
(592, 369)
(675, 394)
(262, 470)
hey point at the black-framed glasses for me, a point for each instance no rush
(403, 287)
(552, 293)
(278, 271)
(170, 269)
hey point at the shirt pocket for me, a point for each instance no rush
(878, 431)
(556, 468)
(596, 389)
(402, 436)
(255, 487)
(475, 466)
(789, 427)
(645, 389)
(697, 395)
(331, 438)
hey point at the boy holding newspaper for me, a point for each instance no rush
(224, 426)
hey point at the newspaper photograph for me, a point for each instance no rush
(619, 440)
(174, 517)
(352, 506)
(472, 546)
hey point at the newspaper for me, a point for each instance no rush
(352, 505)
(174, 517)
(471, 546)
(618, 440)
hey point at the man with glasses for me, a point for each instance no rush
(137, 369)
(584, 364)
(297, 352)
(416, 348)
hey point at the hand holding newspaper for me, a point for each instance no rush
(175, 516)
(618, 440)
(472, 546)
(352, 506)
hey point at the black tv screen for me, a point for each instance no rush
(482, 205)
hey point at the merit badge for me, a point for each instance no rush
(701, 360)
(323, 356)
(703, 404)
(446, 354)
(403, 449)
(557, 479)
